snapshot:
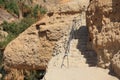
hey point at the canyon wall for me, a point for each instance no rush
(103, 21)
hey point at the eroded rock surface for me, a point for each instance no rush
(26, 50)
(33, 48)
(71, 6)
(63, 6)
(103, 21)
(116, 63)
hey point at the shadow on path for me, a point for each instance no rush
(82, 35)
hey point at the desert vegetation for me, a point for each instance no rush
(27, 15)
(20, 9)
(14, 29)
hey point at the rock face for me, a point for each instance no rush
(70, 6)
(103, 21)
(116, 63)
(33, 48)
(58, 6)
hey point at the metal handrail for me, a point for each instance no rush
(71, 33)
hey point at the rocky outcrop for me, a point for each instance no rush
(33, 48)
(103, 21)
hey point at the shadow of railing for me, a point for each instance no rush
(82, 35)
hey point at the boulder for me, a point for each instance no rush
(33, 48)
(28, 50)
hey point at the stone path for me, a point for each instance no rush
(80, 63)
(85, 73)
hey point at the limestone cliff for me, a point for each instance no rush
(103, 21)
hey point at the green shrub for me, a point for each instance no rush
(14, 29)
(43, 10)
(4, 43)
(12, 6)
(26, 22)
(30, 16)
(26, 10)
(11, 28)
(38, 11)
(35, 11)
(17, 28)
(2, 3)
